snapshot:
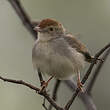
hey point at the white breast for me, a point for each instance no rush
(51, 62)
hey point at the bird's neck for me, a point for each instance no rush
(44, 37)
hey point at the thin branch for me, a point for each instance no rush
(40, 77)
(86, 99)
(51, 101)
(96, 72)
(23, 16)
(94, 62)
(21, 82)
(44, 104)
(86, 76)
(54, 95)
(57, 85)
(43, 93)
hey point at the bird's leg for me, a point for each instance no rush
(79, 84)
(45, 84)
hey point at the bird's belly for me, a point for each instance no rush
(52, 63)
(58, 66)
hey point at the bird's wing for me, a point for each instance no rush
(80, 47)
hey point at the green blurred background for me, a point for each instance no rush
(89, 18)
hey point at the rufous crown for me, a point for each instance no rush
(48, 22)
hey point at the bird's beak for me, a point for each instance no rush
(38, 29)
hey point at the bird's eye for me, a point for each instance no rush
(51, 29)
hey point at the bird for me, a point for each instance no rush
(58, 53)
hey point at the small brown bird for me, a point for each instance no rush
(57, 53)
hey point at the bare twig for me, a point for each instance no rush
(43, 93)
(93, 63)
(20, 82)
(40, 77)
(86, 76)
(23, 16)
(86, 99)
(51, 101)
(54, 95)
(97, 71)
(44, 104)
(57, 85)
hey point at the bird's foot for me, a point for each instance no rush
(80, 85)
(45, 84)
(97, 59)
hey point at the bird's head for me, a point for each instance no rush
(49, 27)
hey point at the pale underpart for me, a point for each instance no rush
(57, 58)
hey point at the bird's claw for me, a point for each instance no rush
(97, 59)
(80, 85)
(43, 86)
